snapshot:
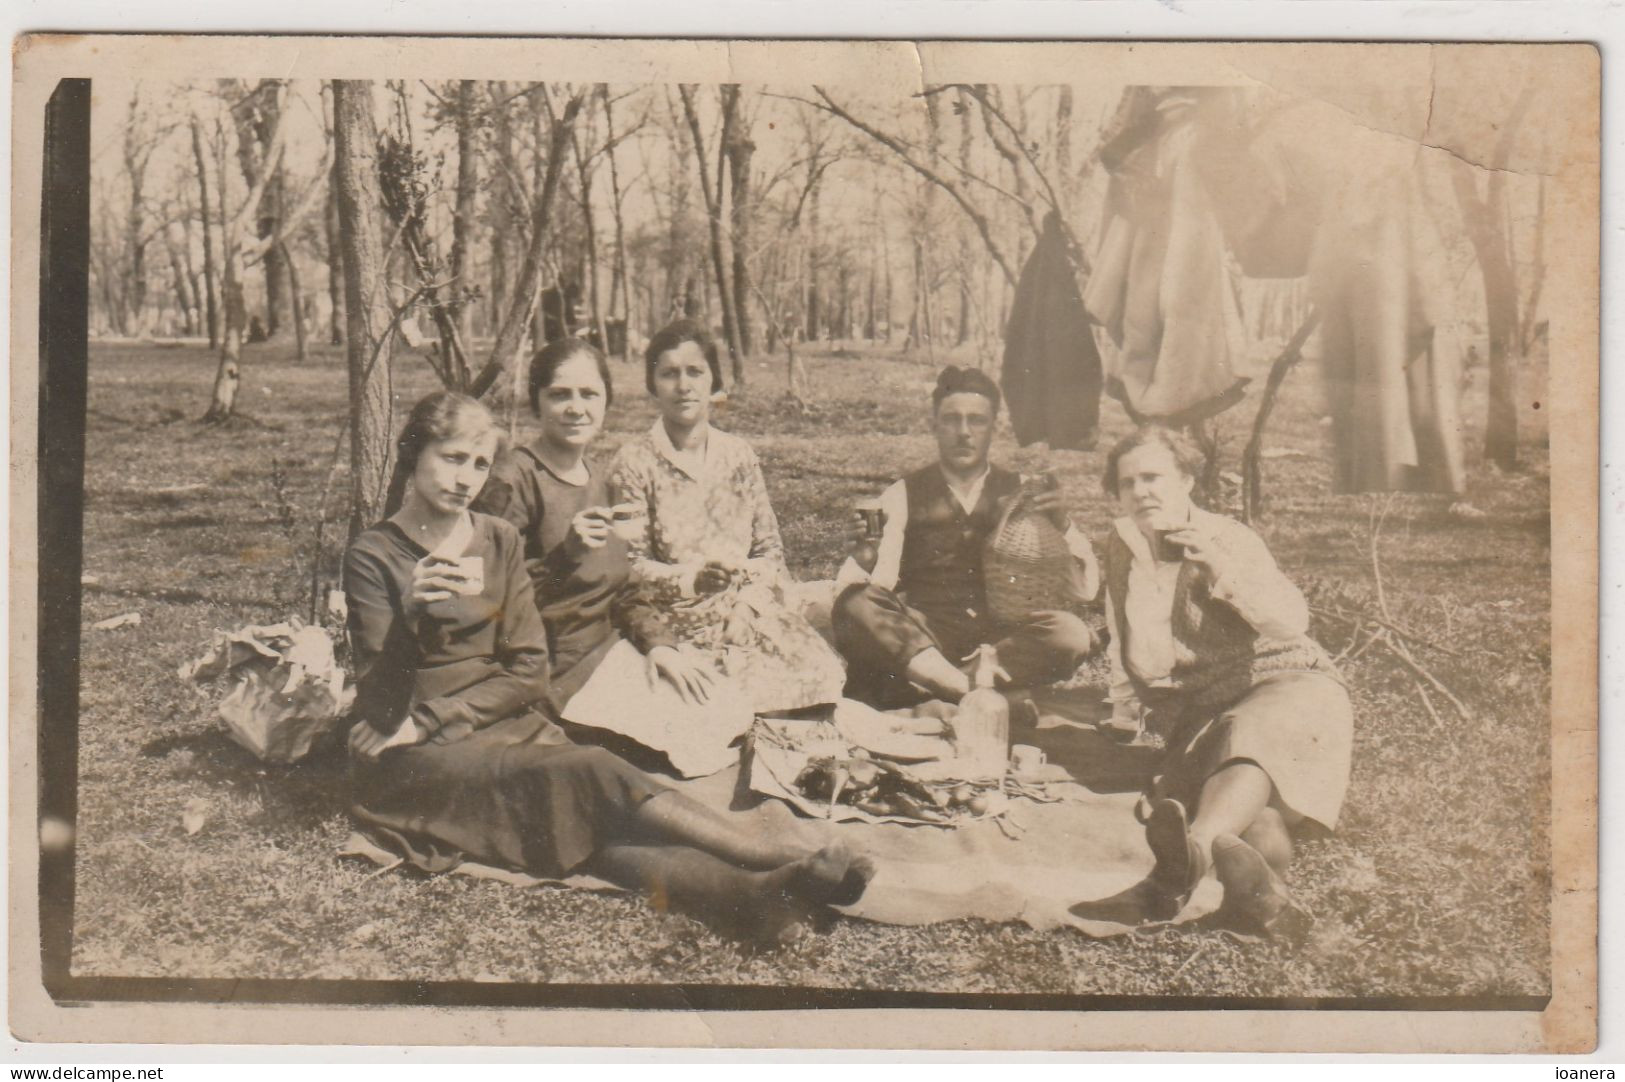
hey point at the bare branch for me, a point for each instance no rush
(983, 227)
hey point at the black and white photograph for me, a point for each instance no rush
(768, 527)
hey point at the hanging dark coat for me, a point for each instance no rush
(1052, 377)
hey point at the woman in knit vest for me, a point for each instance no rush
(1210, 644)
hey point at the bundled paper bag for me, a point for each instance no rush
(287, 688)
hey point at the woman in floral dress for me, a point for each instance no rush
(710, 554)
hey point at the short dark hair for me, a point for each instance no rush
(957, 380)
(673, 335)
(546, 362)
(1184, 451)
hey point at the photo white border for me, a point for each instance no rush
(1100, 20)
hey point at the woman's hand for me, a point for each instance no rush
(430, 583)
(368, 743)
(1202, 547)
(690, 675)
(713, 578)
(589, 529)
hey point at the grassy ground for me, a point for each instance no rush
(1436, 884)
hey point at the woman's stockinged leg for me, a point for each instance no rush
(1232, 799)
(671, 818)
(1269, 835)
(831, 874)
(752, 903)
(1247, 839)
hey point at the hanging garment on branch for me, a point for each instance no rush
(1161, 286)
(1392, 372)
(1300, 189)
(1052, 376)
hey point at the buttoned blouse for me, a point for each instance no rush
(698, 505)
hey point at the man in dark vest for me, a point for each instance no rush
(906, 627)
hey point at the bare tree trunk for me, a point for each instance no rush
(138, 149)
(1500, 313)
(463, 222)
(1063, 149)
(740, 149)
(335, 265)
(962, 332)
(500, 204)
(277, 306)
(512, 332)
(620, 270)
(869, 325)
(1488, 230)
(1537, 278)
(239, 244)
(918, 324)
(713, 214)
(355, 136)
(189, 269)
(295, 309)
(228, 374)
(814, 249)
(595, 306)
(178, 278)
(211, 287)
(275, 270)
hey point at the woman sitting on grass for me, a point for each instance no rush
(456, 757)
(1211, 639)
(615, 663)
(710, 556)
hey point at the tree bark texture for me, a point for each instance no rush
(367, 352)
(463, 222)
(740, 150)
(511, 336)
(1490, 233)
(210, 284)
(713, 215)
(335, 262)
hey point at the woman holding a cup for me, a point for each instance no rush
(710, 557)
(456, 755)
(575, 537)
(1211, 639)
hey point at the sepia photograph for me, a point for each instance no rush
(766, 527)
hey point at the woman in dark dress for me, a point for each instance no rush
(645, 684)
(1212, 640)
(456, 755)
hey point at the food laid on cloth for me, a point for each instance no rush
(905, 767)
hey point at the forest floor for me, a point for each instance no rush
(1436, 884)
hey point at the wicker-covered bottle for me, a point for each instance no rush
(1026, 564)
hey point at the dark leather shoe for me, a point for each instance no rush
(1256, 899)
(1180, 861)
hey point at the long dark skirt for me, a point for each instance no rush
(499, 797)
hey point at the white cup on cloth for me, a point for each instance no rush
(1025, 758)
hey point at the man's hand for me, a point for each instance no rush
(690, 675)
(857, 531)
(1050, 502)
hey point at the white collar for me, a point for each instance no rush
(968, 493)
(690, 462)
